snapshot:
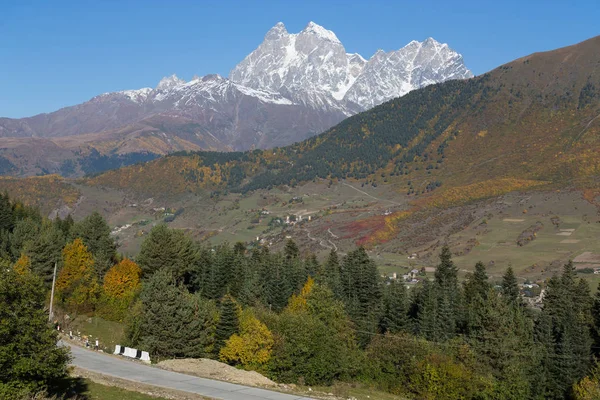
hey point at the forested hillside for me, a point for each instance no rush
(296, 319)
(534, 118)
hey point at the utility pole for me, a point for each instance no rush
(51, 314)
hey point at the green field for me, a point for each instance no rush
(577, 231)
(96, 391)
(108, 333)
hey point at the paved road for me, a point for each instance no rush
(133, 371)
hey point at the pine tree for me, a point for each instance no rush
(24, 234)
(567, 314)
(510, 288)
(291, 250)
(7, 217)
(65, 225)
(595, 331)
(311, 265)
(447, 295)
(361, 292)
(30, 358)
(95, 233)
(274, 273)
(240, 273)
(170, 249)
(239, 248)
(476, 291)
(331, 274)
(504, 345)
(394, 317)
(45, 251)
(228, 322)
(170, 323)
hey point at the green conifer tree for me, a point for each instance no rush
(331, 274)
(170, 323)
(228, 322)
(510, 287)
(394, 317)
(30, 359)
(448, 307)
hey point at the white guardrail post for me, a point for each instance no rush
(132, 353)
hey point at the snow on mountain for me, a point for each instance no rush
(418, 64)
(313, 68)
(169, 82)
(137, 96)
(310, 67)
(210, 89)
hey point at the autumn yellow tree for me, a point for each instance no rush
(122, 279)
(252, 347)
(23, 265)
(589, 387)
(76, 284)
(297, 303)
(121, 285)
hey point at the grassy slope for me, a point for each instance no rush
(97, 391)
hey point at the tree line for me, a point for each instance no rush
(293, 317)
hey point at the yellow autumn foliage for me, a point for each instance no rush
(76, 284)
(297, 303)
(40, 191)
(252, 347)
(23, 265)
(477, 191)
(389, 229)
(122, 279)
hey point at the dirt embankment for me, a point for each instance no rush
(206, 368)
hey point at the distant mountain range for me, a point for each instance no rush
(536, 118)
(292, 87)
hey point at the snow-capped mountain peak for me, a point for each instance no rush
(276, 32)
(169, 82)
(312, 67)
(322, 33)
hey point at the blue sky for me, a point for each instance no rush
(60, 53)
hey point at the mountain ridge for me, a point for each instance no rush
(533, 118)
(226, 114)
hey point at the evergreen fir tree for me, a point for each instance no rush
(228, 322)
(510, 287)
(595, 331)
(24, 234)
(45, 251)
(447, 296)
(239, 248)
(170, 249)
(476, 291)
(170, 323)
(425, 310)
(395, 308)
(311, 266)
(567, 312)
(7, 218)
(291, 250)
(331, 274)
(361, 292)
(30, 360)
(95, 233)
